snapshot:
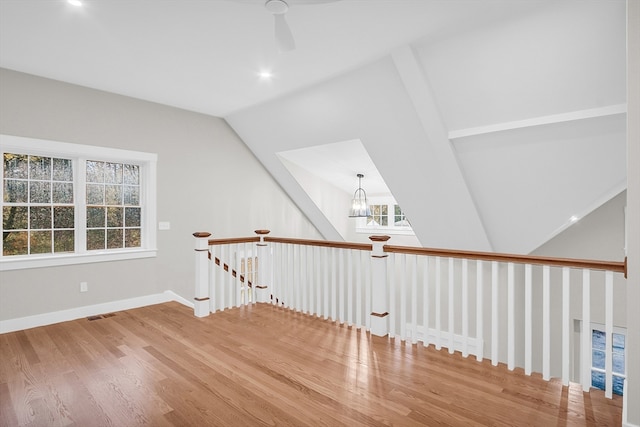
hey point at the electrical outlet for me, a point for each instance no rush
(83, 287)
(164, 225)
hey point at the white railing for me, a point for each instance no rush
(523, 311)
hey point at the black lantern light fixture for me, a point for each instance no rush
(359, 205)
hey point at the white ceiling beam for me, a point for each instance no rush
(591, 113)
(457, 193)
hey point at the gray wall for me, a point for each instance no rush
(207, 181)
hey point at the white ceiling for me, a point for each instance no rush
(491, 121)
(204, 56)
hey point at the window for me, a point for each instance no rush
(69, 203)
(598, 359)
(385, 216)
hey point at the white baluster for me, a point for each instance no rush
(585, 339)
(359, 290)
(391, 268)
(451, 322)
(608, 326)
(414, 299)
(528, 319)
(465, 308)
(546, 323)
(319, 270)
(341, 291)
(479, 311)
(304, 280)
(213, 279)
(425, 302)
(237, 291)
(224, 278)
(494, 313)
(327, 281)
(511, 317)
(350, 255)
(403, 297)
(438, 304)
(566, 325)
(334, 284)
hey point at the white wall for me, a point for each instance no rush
(207, 181)
(633, 211)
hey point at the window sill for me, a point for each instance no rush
(20, 263)
(386, 230)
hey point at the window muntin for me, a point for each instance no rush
(133, 216)
(379, 216)
(113, 205)
(387, 216)
(598, 360)
(37, 209)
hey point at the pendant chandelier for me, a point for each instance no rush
(359, 205)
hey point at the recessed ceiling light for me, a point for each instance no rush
(265, 75)
(76, 3)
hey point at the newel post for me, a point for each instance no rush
(201, 303)
(262, 285)
(380, 293)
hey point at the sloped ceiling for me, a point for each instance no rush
(492, 139)
(492, 122)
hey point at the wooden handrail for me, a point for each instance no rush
(615, 266)
(323, 243)
(233, 240)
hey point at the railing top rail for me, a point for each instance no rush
(323, 243)
(615, 266)
(233, 240)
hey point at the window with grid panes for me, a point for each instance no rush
(70, 203)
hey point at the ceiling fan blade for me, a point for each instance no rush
(284, 37)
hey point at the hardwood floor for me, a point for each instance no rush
(262, 365)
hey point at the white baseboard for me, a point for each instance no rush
(34, 321)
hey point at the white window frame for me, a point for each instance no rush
(616, 330)
(79, 153)
(363, 227)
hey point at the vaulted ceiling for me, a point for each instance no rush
(492, 122)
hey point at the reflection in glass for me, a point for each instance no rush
(14, 217)
(62, 170)
(131, 195)
(40, 217)
(114, 238)
(63, 217)
(598, 339)
(95, 239)
(15, 191)
(132, 217)
(113, 173)
(132, 238)
(15, 166)
(113, 194)
(95, 194)
(40, 167)
(131, 174)
(95, 171)
(63, 241)
(114, 217)
(15, 243)
(597, 359)
(40, 242)
(62, 192)
(40, 191)
(95, 217)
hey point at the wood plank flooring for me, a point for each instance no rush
(262, 365)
